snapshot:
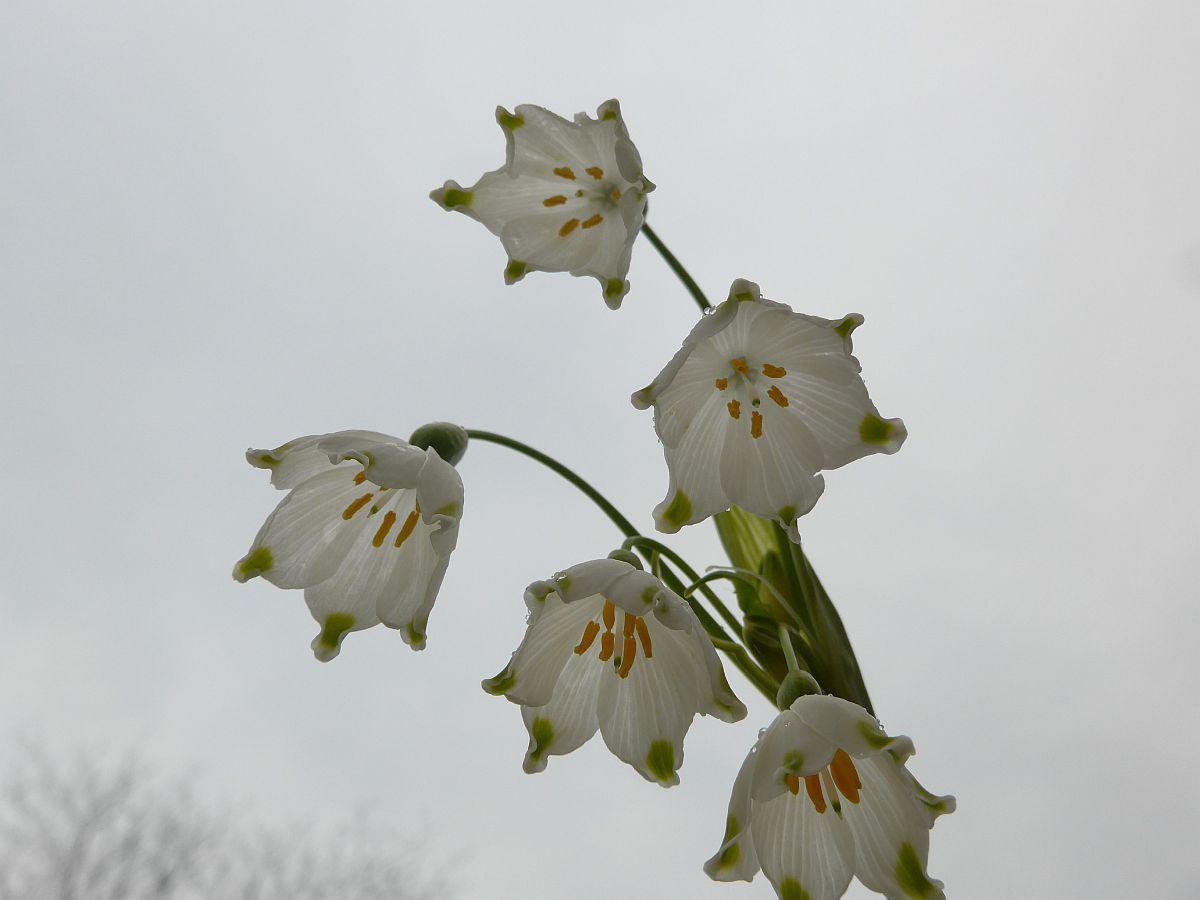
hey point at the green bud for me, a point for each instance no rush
(449, 441)
(794, 686)
(627, 556)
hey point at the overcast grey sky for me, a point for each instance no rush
(214, 233)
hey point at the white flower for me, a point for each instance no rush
(570, 198)
(757, 401)
(641, 682)
(824, 796)
(367, 530)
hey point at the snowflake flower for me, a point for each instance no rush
(756, 402)
(823, 796)
(640, 684)
(366, 529)
(570, 197)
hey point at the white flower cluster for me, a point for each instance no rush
(756, 403)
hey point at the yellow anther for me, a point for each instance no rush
(616, 195)
(565, 172)
(608, 644)
(557, 200)
(812, 784)
(756, 424)
(735, 408)
(627, 625)
(409, 524)
(793, 783)
(628, 654)
(721, 383)
(589, 635)
(773, 371)
(845, 776)
(594, 220)
(389, 519)
(739, 365)
(777, 395)
(643, 634)
(349, 511)
(360, 477)
(595, 171)
(610, 615)
(568, 227)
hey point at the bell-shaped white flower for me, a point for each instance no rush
(825, 796)
(366, 529)
(757, 401)
(609, 647)
(570, 197)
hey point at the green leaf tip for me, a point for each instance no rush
(661, 761)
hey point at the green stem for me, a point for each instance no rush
(789, 652)
(555, 466)
(677, 268)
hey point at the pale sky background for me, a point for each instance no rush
(214, 233)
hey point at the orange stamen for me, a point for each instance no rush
(628, 654)
(557, 200)
(739, 365)
(610, 615)
(409, 524)
(608, 644)
(773, 371)
(589, 635)
(389, 519)
(354, 507)
(568, 227)
(756, 424)
(627, 625)
(777, 395)
(595, 171)
(565, 172)
(360, 477)
(594, 220)
(812, 784)
(845, 776)
(793, 783)
(643, 634)
(721, 383)
(735, 408)
(616, 195)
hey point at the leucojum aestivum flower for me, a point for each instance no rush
(758, 401)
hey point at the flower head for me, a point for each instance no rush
(366, 529)
(823, 796)
(757, 401)
(609, 647)
(570, 197)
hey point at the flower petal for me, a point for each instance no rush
(549, 642)
(304, 540)
(891, 832)
(736, 860)
(804, 853)
(300, 459)
(569, 720)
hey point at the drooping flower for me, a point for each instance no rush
(570, 197)
(756, 402)
(824, 796)
(366, 530)
(640, 682)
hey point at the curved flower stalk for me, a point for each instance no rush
(570, 197)
(824, 796)
(366, 529)
(756, 402)
(609, 647)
